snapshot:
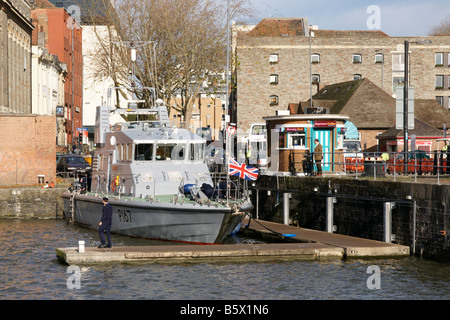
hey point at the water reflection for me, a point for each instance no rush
(30, 270)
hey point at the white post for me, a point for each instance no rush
(286, 208)
(330, 209)
(81, 246)
(387, 214)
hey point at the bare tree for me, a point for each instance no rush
(443, 28)
(108, 59)
(184, 44)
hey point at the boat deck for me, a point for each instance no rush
(305, 244)
(168, 198)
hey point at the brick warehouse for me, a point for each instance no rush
(29, 149)
(273, 65)
(53, 31)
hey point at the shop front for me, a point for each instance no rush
(291, 138)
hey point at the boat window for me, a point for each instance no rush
(170, 151)
(144, 152)
(197, 151)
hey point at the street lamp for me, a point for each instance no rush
(405, 100)
(311, 34)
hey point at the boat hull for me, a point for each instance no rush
(185, 222)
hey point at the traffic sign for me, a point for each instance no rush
(231, 129)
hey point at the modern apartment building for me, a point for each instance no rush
(284, 60)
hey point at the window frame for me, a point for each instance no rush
(315, 55)
(274, 100)
(379, 55)
(315, 75)
(357, 55)
(439, 76)
(436, 64)
(275, 79)
(274, 58)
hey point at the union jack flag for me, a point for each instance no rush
(241, 170)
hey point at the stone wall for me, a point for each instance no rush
(358, 210)
(31, 202)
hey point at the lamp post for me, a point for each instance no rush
(311, 33)
(405, 100)
(405, 109)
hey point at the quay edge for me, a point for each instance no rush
(199, 254)
(420, 218)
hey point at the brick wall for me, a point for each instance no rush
(293, 68)
(27, 149)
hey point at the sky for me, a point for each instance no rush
(394, 17)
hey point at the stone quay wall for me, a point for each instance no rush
(31, 202)
(420, 217)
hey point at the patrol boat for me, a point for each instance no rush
(153, 174)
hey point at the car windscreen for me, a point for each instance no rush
(75, 160)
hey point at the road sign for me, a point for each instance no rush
(231, 129)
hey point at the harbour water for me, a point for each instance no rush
(29, 270)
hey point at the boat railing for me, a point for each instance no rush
(148, 124)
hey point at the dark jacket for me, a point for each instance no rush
(107, 214)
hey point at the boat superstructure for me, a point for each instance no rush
(155, 177)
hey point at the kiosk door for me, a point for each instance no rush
(324, 136)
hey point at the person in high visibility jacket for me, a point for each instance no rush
(249, 153)
(444, 151)
(385, 156)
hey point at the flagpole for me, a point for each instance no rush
(227, 157)
(227, 153)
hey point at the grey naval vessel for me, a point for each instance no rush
(154, 175)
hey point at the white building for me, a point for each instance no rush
(95, 87)
(48, 77)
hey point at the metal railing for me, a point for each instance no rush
(377, 164)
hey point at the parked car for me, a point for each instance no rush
(72, 163)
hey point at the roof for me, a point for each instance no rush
(367, 104)
(421, 129)
(371, 107)
(278, 27)
(43, 4)
(349, 33)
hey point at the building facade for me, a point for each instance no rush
(15, 56)
(207, 112)
(62, 36)
(28, 153)
(277, 58)
(48, 75)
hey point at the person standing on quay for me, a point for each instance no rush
(318, 156)
(105, 224)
